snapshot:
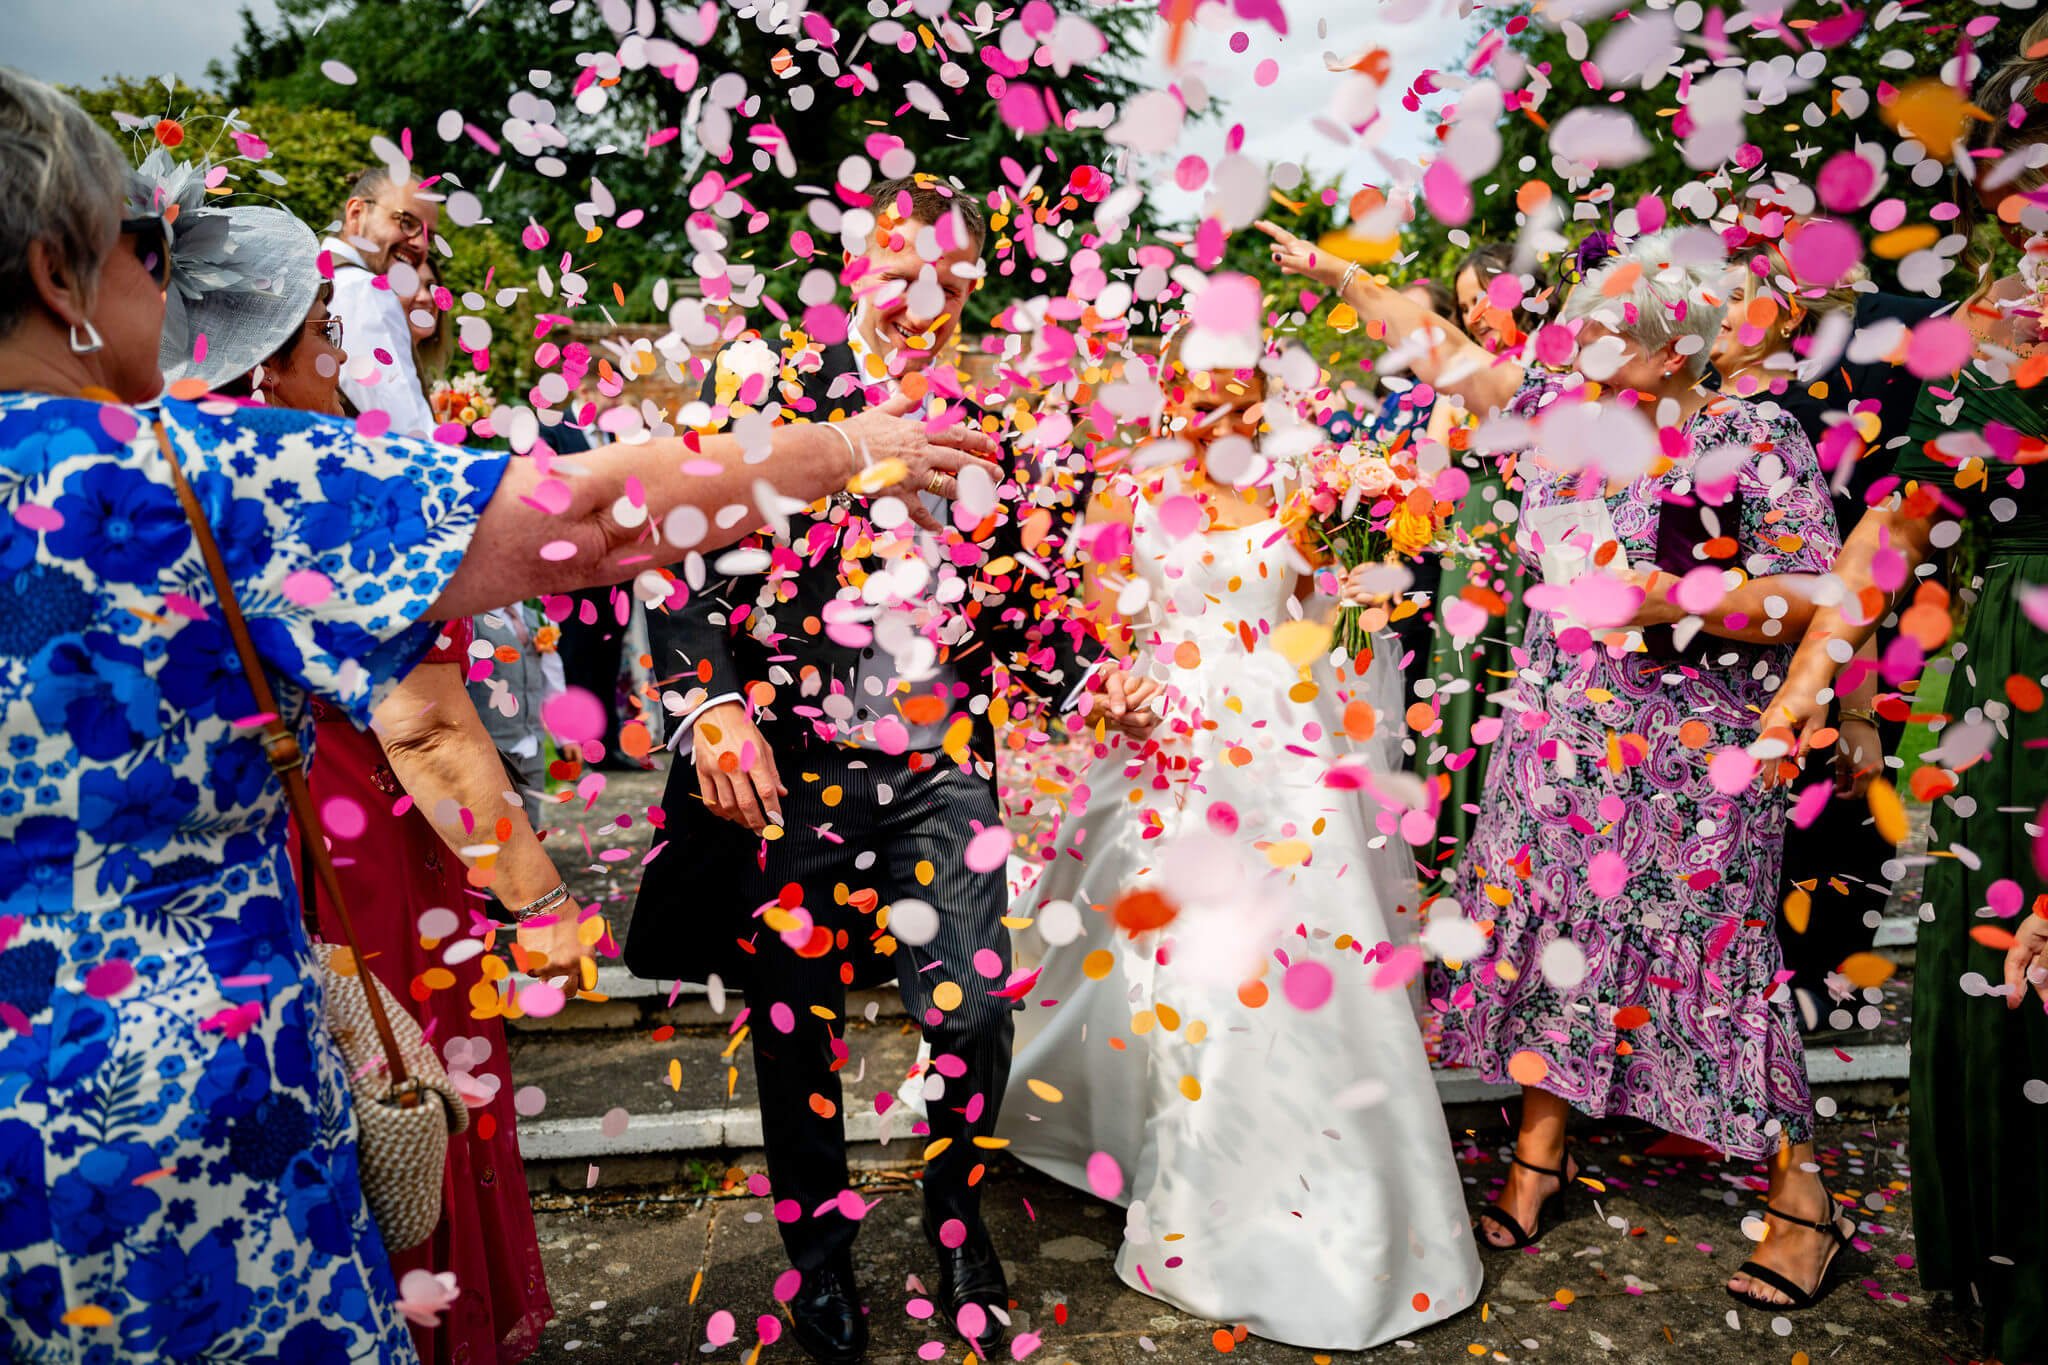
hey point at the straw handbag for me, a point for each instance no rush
(405, 1105)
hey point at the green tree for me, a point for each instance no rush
(415, 59)
(1796, 135)
(312, 156)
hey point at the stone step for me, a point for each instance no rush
(631, 1002)
(614, 1095)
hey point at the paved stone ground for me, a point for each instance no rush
(1634, 1273)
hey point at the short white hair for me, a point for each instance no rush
(1674, 295)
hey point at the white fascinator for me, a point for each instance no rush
(243, 277)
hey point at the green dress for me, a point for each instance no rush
(1468, 675)
(1980, 1071)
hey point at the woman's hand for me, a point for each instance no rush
(1352, 591)
(1798, 708)
(553, 944)
(1656, 608)
(2026, 962)
(1859, 753)
(1297, 257)
(929, 460)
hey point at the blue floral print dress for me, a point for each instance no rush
(177, 1153)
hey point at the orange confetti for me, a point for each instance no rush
(1887, 810)
(1991, 936)
(1528, 1068)
(1631, 1017)
(1865, 970)
(1141, 910)
(1930, 783)
(1361, 721)
(634, 741)
(2023, 692)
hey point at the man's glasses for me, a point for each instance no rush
(329, 328)
(152, 246)
(408, 223)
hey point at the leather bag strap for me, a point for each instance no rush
(282, 747)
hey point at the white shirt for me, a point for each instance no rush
(373, 324)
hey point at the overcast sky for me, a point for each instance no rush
(86, 41)
(82, 42)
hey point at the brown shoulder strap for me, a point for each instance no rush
(281, 745)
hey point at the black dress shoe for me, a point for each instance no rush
(826, 1317)
(972, 1273)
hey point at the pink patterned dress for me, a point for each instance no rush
(1665, 1005)
(393, 873)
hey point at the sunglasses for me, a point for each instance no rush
(152, 246)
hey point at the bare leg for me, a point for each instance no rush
(1799, 1254)
(1540, 1142)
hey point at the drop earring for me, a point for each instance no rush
(92, 340)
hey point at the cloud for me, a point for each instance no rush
(84, 42)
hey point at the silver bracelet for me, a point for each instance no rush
(852, 455)
(543, 905)
(1350, 274)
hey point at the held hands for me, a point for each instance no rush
(2026, 962)
(736, 769)
(553, 944)
(1798, 708)
(1297, 257)
(929, 459)
(1351, 589)
(1122, 704)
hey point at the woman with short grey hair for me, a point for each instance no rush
(177, 1142)
(1618, 891)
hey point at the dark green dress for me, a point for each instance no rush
(1979, 1071)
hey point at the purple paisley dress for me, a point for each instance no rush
(1679, 1018)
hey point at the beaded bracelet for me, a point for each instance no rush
(543, 905)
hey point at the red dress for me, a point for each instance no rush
(486, 1235)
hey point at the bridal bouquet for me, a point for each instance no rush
(465, 399)
(1366, 504)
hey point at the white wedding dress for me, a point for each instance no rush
(1285, 1167)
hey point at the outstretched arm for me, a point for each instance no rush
(554, 531)
(441, 754)
(1447, 359)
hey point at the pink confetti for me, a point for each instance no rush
(1607, 873)
(307, 587)
(541, 999)
(988, 850)
(37, 517)
(109, 979)
(343, 818)
(1105, 1177)
(575, 715)
(1307, 985)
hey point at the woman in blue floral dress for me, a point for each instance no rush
(178, 1174)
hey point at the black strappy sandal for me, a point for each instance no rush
(1801, 1299)
(1525, 1237)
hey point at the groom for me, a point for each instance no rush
(843, 764)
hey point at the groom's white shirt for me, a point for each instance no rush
(380, 375)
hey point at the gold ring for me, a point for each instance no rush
(935, 484)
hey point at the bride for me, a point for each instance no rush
(1221, 1037)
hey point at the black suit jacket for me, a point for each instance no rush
(707, 860)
